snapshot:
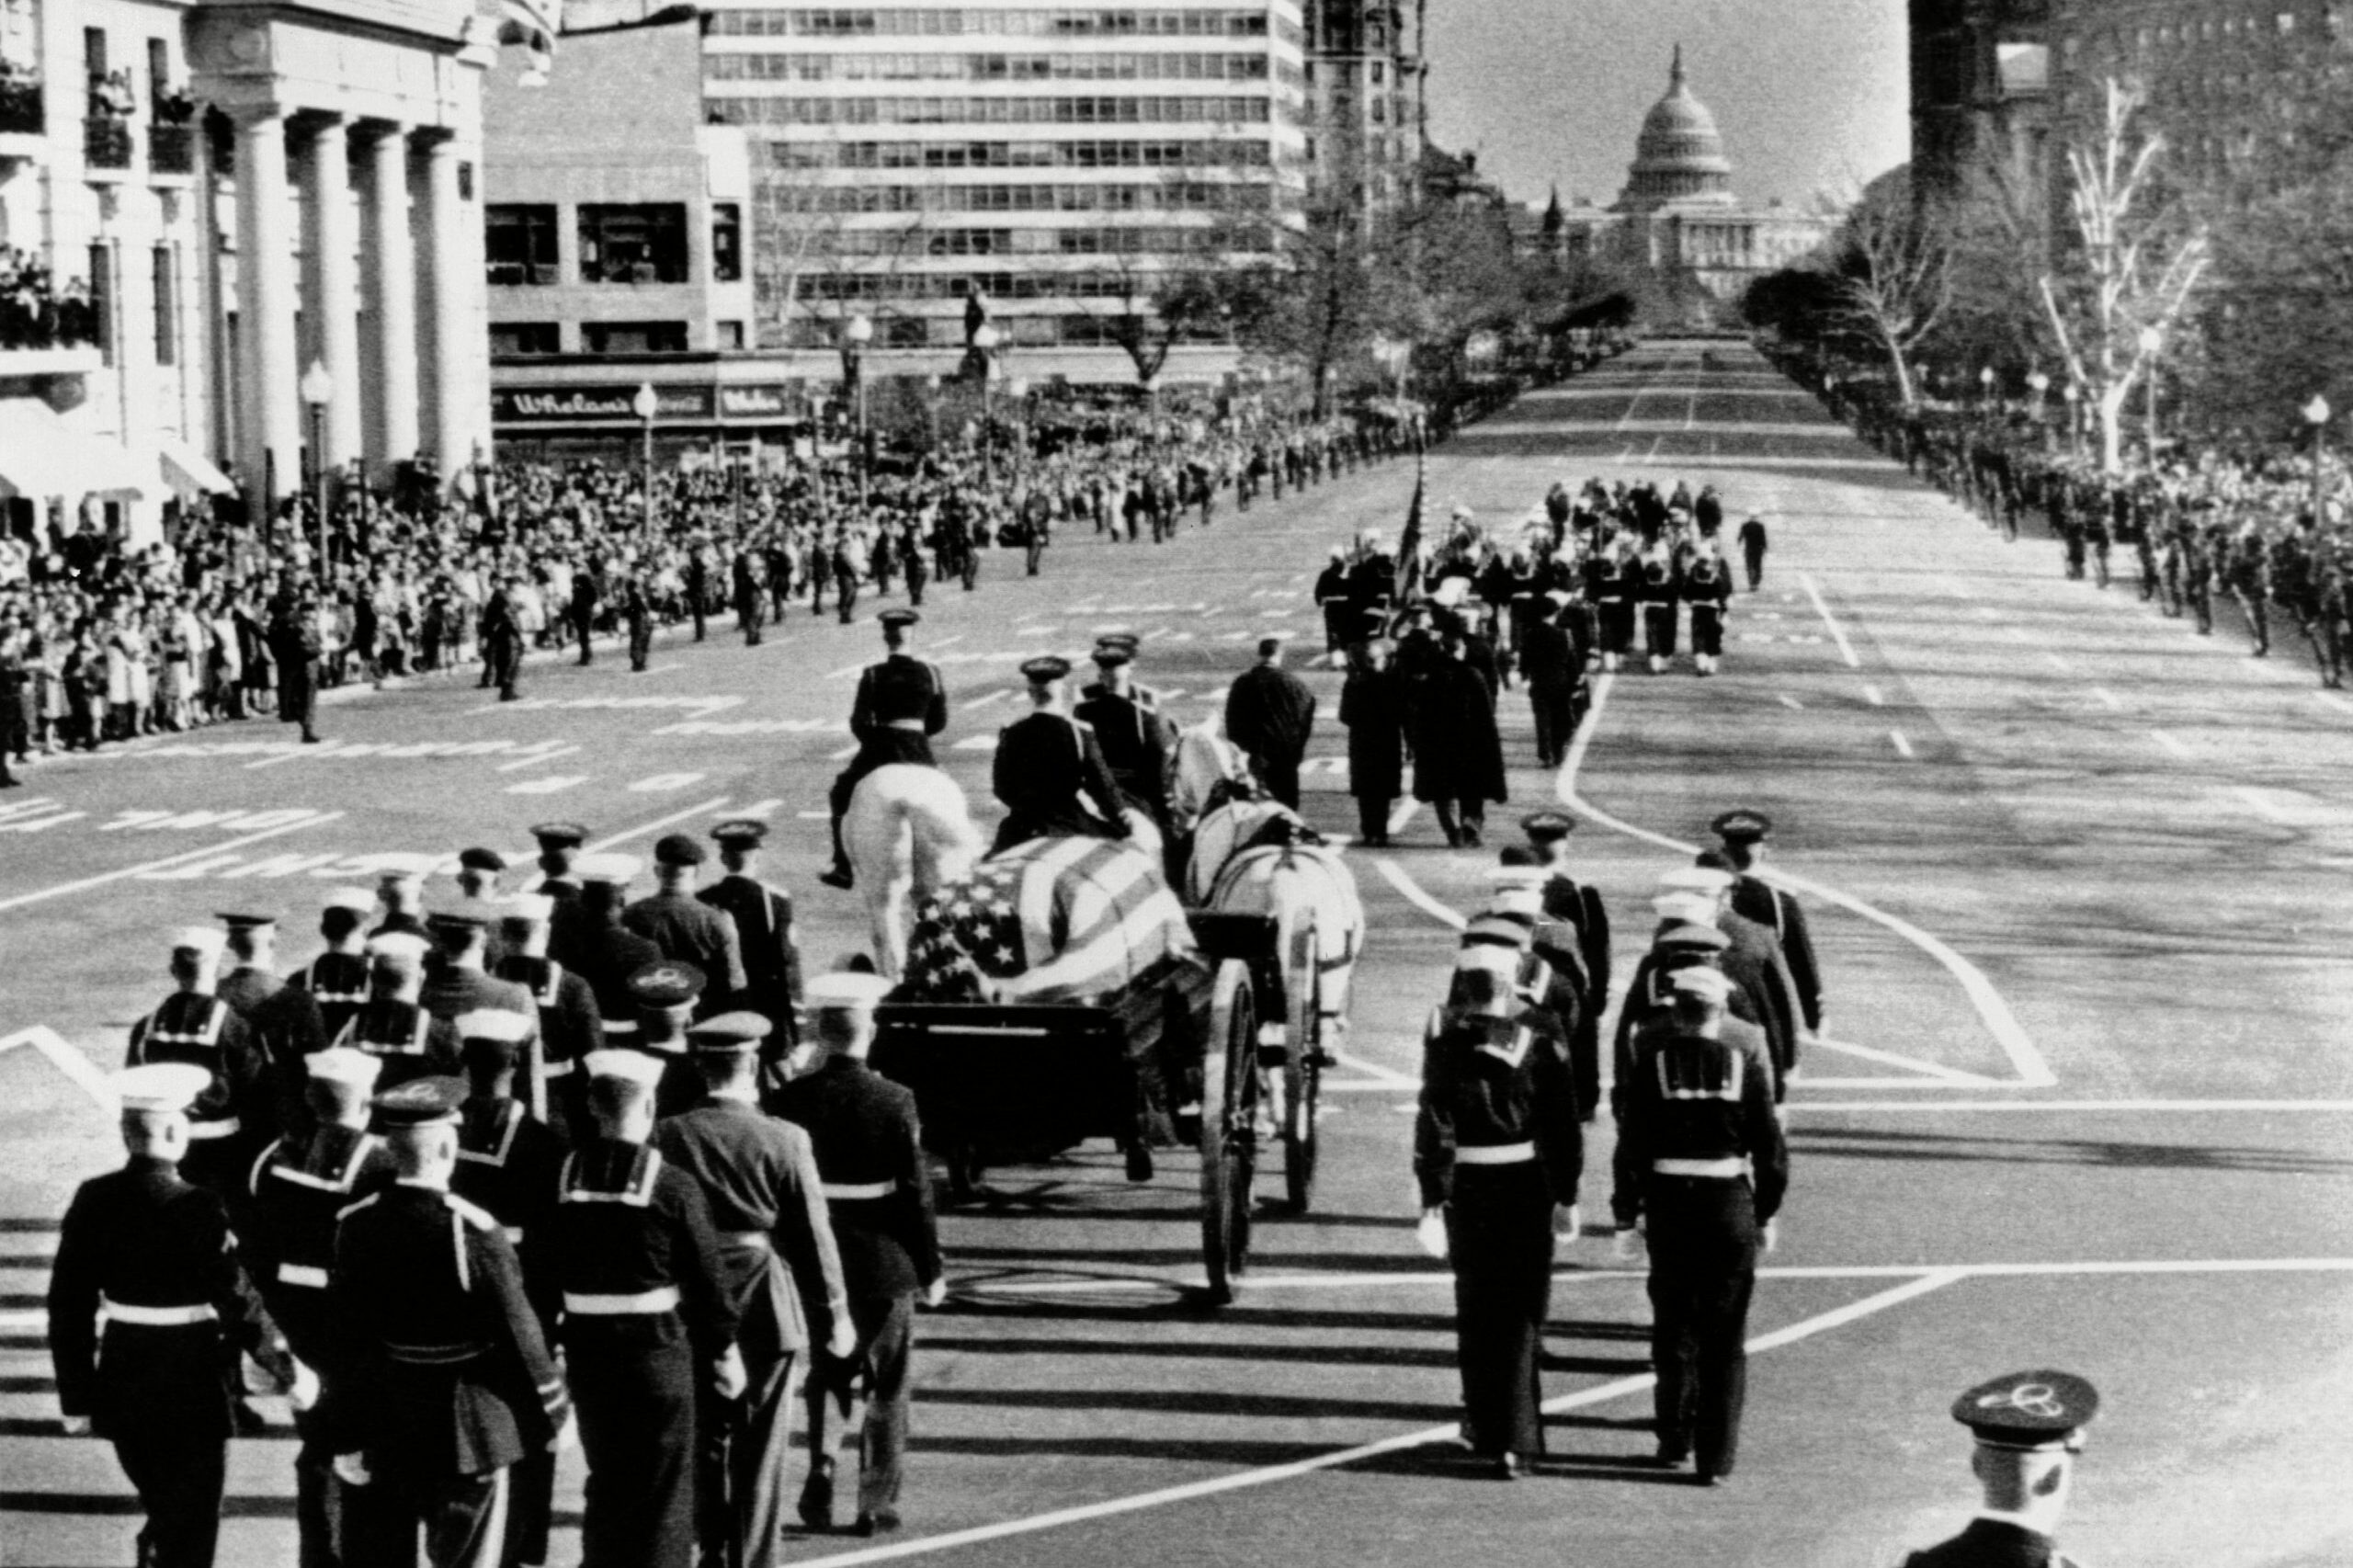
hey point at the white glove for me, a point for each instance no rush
(74, 1425)
(302, 1393)
(732, 1377)
(935, 1293)
(1626, 1245)
(1431, 1232)
(352, 1469)
(1568, 1222)
(1771, 1237)
(842, 1344)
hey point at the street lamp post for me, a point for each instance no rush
(646, 405)
(856, 336)
(317, 390)
(2151, 340)
(931, 409)
(986, 340)
(2316, 416)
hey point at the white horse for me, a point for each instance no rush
(1251, 856)
(1204, 760)
(908, 830)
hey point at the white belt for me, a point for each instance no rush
(562, 1069)
(1495, 1154)
(913, 725)
(227, 1127)
(159, 1317)
(840, 1191)
(624, 1027)
(759, 1241)
(661, 1299)
(303, 1274)
(1731, 1169)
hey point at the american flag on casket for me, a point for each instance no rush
(1051, 920)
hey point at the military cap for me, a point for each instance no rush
(479, 859)
(898, 617)
(666, 984)
(404, 948)
(342, 1065)
(246, 922)
(1701, 979)
(1742, 826)
(740, 833)
(2029, 1411)
(1707, 879)
(613, 870)
(526, 909)
(159, 1088)
(626, 1066)
(729, 1034)
(1693, 936)
(1045, 669)
(420, 1102)
(1547, 827)
(1111, 657)
(846, 991)
(199, 940)
(396, 869)
(472, 914)
(677, 849)
(355, 900)
(560, 834)
(1127, 640)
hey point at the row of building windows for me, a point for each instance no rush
(1186, 67)
(1076, 330)
(1177, 196)
(1143, 239)
(526, 339)
(873, 287)
(641, 243)
(957, 22)
(1217, 110)
(1152, 155)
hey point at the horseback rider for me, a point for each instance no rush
(1134, 736)
(902, 703)
(1047, 762)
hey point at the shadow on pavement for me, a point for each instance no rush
(1861, 1144)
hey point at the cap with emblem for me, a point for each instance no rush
(1127, 640)
(677, 849)
(341, 1065)
(526, 909)
(1701, 979)
(2029, 1411)
(560, 834)
(202, 940)
(458, 919)
(479, 859)
(1045, 670)
(740, 833)
(159, 1088)
(625, 1066)
(355, 900)
(1742, 826)
(1547, 827)
(898, 617)
(420, 1102)
(612, 870)
(1694, 938)
(729, 1034)
(1707, 879)
(666, 984)
(846, 991)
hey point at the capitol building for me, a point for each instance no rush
(1678, 231)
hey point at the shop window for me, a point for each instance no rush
(515, 338)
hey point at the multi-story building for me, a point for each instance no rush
(1980, 74)
(1366, 115)
(199, 200)
(1051, 161)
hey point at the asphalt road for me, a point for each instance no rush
(2075, 873)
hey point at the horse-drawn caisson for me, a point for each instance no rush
(1063, 990)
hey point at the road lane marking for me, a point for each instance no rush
(1903, 746)
(1402, 814)
(2172, 742)
(298, 754)
(2134, 1108)
(82, 885)
(86, 1074)
(2331, 701)
(662, 783)
(641, 829)
(2026, 1059)
(1871, 695)
(2263, 808)
(2108, 699)
(1384, 1077)
(1953, 1076)
(1395, 876)
(1838, 632)
(548, 784)
(1916, 1283)
(535, 759)
(1791, 703)
(999, 695)
(2056, 663)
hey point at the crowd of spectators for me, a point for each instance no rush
(37, 312)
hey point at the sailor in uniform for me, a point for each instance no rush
(231, 1116)
(392, 1024)
(549, 1085)
(338, 978)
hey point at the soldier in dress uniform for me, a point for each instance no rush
(508, 1164)
(2029, 1428)
(233, 1115)
(153, 1252)
(687, 929)
(569, 1027)
(1497, 1154)
(1707, 588)
(901, 702)
(599, 947)
(1048, 764)
(777, 1253)
(878, 1188)
(459, 980)
(443, 1381)
(647, 1317)
(299, 1186)
(763, 917)
(400, 889)
(666, 996)
(284, 1019)
(338, 978)
(1744, 834)
(392, 1024)
(559, 844)
(1701, 895)
(479, 870)
(1700, 1170)
(1133, 739)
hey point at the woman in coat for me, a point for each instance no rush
(1458, 754)
(1372, 709)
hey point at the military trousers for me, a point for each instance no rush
(1703, 1240)
(1499, 1236)
(875, 1374)
(638, 1429)
(463, 1517)
(179, 1480)
(745, 1444)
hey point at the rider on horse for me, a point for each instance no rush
(1134, 735)
(902, 703)
(1046, 762)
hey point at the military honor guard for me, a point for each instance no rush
(648, 1316)
(459, 980)
(550, 1083)
(780, 1266)
(152, 1253)
(1700, 1170)
(1743, 833)
(763, 917)
(1133, 738)
(284, 1020)
(2029, 1428)
(400, 892)
(194, 1025)
(443, 1380)
(338, 978)
(392, 1024)
(1498, 1153)
(901, 702)
(687, 929)
(595, 945)
(1049, 768)
(878, 1191)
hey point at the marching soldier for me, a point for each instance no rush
(400, 889)
(600, 950)
(1744, 834)
(647, 1317)
(763, 918)
(2029, 1428)
(1765, 994)
(1133, 739)
(779, 1265)
(1707, 588)
(195, 1026)
(338, 978)
(666, 996)
(559, 844)
(1497, 1154)
(1657, 588)
(443, 1381)
(687, 929)
(1700, 1170)
(901, 702)
(569, 1028)
(1048, 767)
(1568, 901)
(284, 1019)
(459, 980)
(154, 1253)
(878, 1189)
(298, 1189)
(392, 1025)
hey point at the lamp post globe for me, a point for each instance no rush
(646, 405)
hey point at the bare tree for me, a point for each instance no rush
(804, 241)
(1890, 276)
(2135, 257)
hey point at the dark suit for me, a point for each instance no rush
(1270, 713)
(1045, 764)
(1993, 1543)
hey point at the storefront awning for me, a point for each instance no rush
(187, 469)
(41, 456)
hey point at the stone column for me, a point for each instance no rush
(456, 346)
(389, 285)
(269, 420)
(331, 288)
